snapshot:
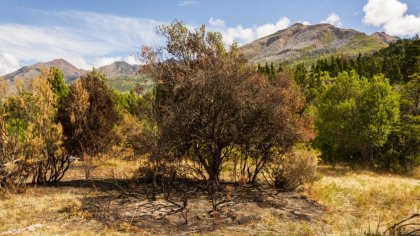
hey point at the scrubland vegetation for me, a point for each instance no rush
(218, 146)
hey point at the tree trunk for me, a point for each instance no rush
(214, 165)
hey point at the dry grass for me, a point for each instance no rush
(341, 202)
(361, 201)
(58, 209)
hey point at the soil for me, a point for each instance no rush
(126, 205)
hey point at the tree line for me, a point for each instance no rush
(366, 108)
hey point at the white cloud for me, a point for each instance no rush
(131, 59)
(391, 16)
(34, 44)
(333, 19)
(103, 61)
(239, 34)
(85, 39)
(218, 23)
(118, 30)
(306, 22)
(379, 12)
(186, 3)
(266, 29)
(8, 63)
(243, 35)
(88, 39)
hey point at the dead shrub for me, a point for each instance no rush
(294, 169)
(209, 100)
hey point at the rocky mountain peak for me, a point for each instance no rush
(299, 43)
(384, 37)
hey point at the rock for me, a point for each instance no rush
(33, 227)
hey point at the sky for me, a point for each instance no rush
(93, 33)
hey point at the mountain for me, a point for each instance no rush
(124, 77)
(120, 75)
(118, 68)
(383, 37)
(306, 43)
(28, 72)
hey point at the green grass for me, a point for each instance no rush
(125, 83)
(363, 44)
(359, 44)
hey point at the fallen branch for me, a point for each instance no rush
(398, 226)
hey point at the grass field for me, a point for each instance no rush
(340, 202)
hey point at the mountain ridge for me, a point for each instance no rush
(303, 43)
(120, 74)
(70, 71)
(384, 37)
(27, 72)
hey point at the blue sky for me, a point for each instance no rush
(98, 32)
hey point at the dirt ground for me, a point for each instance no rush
(111, 203)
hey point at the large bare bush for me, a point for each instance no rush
(209, 101)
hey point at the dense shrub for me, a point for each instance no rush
(293, 169)
(136, 128)
(402, 149)
(88, 115)
(361, 120)
(355, 119)
(32, 142)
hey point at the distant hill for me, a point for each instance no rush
(124, 77)
(305, 43)
(28, 72)
(121, 75)
(118, 68)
